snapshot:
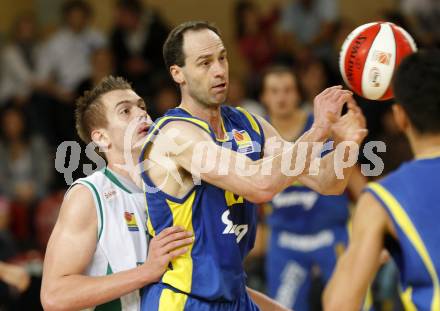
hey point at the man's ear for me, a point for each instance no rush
(401, 118)
(177, 74)
(101, 139)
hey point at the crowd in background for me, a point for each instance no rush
(40, 80)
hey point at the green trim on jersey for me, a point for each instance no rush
(114, 305)
(115, 180)
(99, 205)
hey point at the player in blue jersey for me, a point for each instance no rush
(206, 164)
(400, 211)
(308, 230)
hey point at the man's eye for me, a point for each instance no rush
(124, 111)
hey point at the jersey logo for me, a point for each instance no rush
(109, 194)
(131, 221)
(305, 199)
(243, 141)
(231, 228)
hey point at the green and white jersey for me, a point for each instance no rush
(122, 237)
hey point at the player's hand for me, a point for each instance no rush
(351, 126)
(170, 243)
(327, 107)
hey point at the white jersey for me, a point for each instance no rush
(122, 237)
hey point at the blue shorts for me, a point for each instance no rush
(291, 259)
(160, 297)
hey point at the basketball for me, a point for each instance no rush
(370, 55)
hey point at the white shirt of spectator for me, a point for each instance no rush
(306, 24)
(66, 56)
(16, 76)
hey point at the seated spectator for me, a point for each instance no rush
(309, 25)
(237, 97)
(136, 43)
(18, 60)
(314, 78)
(166, 98)
(25, 168)
(255, 35)
(65, 59)
(423, 17)
(102, 65)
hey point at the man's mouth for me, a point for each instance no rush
(143, 128)
(220, 86)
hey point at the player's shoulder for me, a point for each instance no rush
(95, 179)
(78, 207)
(179, 119)
(395, 178)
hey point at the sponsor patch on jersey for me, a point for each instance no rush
(243, 141)
(109, 194)
(130, 219)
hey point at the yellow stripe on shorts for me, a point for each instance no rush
(170, 300)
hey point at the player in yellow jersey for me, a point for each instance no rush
(212, 162)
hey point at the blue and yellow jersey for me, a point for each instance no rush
(410, 195)
(223, 223)
(301, 210)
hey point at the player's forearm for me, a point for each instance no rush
(75, 292)
(264, 302)
(295, 159)
(338, 296)
(332, 179)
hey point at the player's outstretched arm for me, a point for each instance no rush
(333, 171)
(357, 267)
(184, 146)
(265, 303)
(70, 251)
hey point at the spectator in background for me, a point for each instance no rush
(102, 65)
(237, 97)
(18, 61)
(166, 98)
(314, 78)
(65, 60)
(8, 247)
(25, 167)
(136, 43)
(423, 17)
(308, 25)
(255, 35)
(64, 63)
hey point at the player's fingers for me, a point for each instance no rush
(176, 245)
(330, 89)
(177, 253)
(339, 100)
(352, 105)
(362, 120)
(174, 237)
(360, 135)
(167, 231)
(331, 117)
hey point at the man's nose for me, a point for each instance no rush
(219, 69)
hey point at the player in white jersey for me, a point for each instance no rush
(97, 254)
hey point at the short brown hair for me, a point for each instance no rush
(90, 112)
(279, 70)
(173, 46)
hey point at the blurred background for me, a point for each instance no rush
(53, 50)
